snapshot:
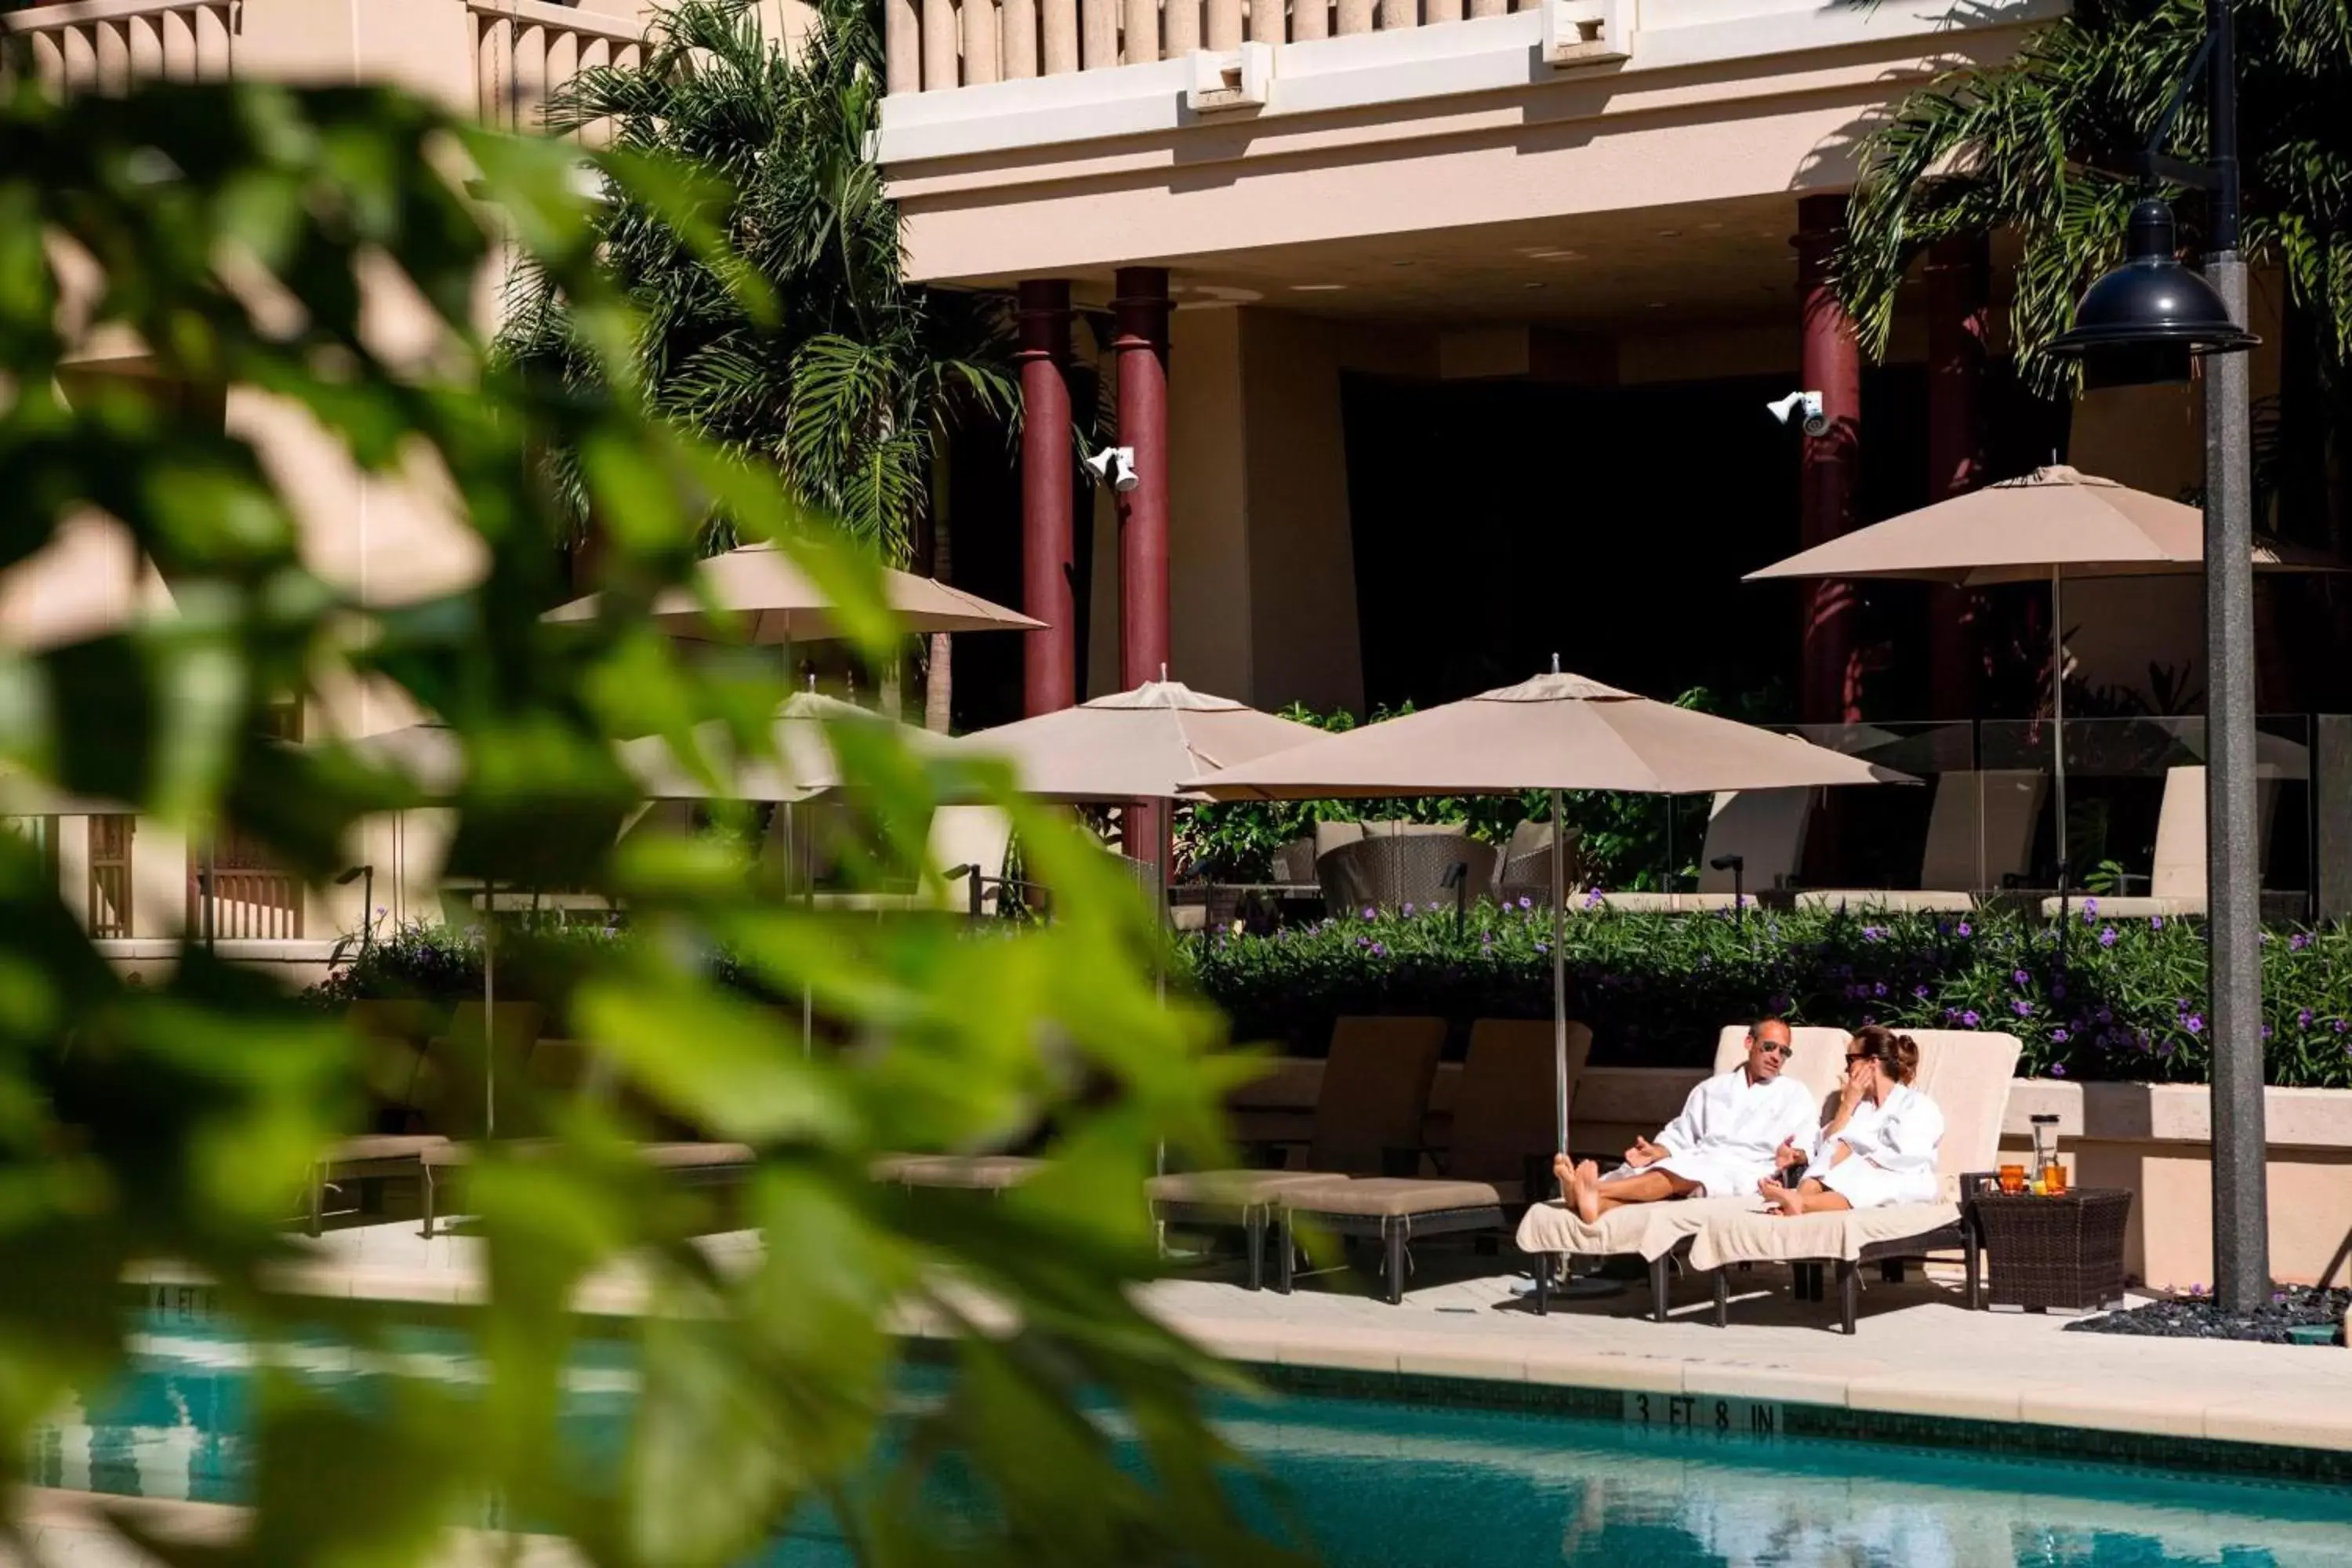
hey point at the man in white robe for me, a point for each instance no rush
(1721, 1146)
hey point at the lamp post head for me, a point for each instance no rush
(2140, 322)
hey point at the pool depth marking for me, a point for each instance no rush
(1704, 1414)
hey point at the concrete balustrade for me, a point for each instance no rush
(103, 46)
(501, 59)
(933, 45)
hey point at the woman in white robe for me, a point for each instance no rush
(1881, 1145)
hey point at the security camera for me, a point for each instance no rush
(1805, 407)
(1114, 466)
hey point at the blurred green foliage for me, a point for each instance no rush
(241, 234)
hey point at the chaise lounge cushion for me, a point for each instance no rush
(660, 1156)
(1383, 1197)
(1760, 1237)
(1230, 1189)
(378, 1147)
(1652, 1230)
(974, 1172)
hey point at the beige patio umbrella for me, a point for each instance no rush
(1556, 732)
(87, 581)
(1141, 744)
(2048, 525)
(762, 584)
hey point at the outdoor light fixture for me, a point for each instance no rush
(2143, 321)
(1738, 866)
(1802, 408)
(1114, 466)
(365, 874)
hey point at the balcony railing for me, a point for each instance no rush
(104, 45)
(246, 906)
(939, 44)
(525, 50)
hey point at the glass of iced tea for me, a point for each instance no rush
(2053, 1180)
(2012, 1179)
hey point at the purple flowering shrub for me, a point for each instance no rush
(2098, 998)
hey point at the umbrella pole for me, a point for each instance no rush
(490, 1009)
(796, 826)
(2058, 721)
(1558, 973)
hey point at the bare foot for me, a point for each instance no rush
(1586, 1194)
(1784, 1200)
(1563, 1171)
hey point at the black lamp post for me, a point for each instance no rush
(2142, 323)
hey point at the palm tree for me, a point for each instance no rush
(852, 385)
(2047, 146)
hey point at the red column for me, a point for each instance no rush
(1958, 307)
(1141, 347)
(1049, 671)
(1831, 362)
(1140, 307)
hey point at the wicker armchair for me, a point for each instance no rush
(1388, 873)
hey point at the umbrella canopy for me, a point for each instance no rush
(762, 584)
(2045, 526)
(1555, 732)
(87, 581)
(1135, 746)
(805, 764)
(2053, 522)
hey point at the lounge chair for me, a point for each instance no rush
(1655, 1232)
(1503, 1138)
(1967, 1073)
(410, 1075)
(1999, 806)
(558, 1068)
(1763, 829)
(1374, 1097)
(688, 1162)
(993, 1173)
(2176, 880)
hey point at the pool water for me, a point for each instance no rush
(1374, 1484)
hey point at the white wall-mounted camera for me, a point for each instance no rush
(1805, 408)
(1114, 466)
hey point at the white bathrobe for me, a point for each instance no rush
(1729, 1130)
(1894, 1145)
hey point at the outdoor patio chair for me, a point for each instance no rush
(2177, 881)
(1967, 1073)
(1374, 1098)
(2007, 802)
(1390, 871)
(1655, 1232)
(1504, 1136)
(1764, 827)
(690, 1164)
(423, 1091)
(991, 1173)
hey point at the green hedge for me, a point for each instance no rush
(2095, 998)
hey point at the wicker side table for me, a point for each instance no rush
(2065, 1252)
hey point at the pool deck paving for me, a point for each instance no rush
(1917, 1351)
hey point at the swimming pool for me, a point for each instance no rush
(1375, 1483)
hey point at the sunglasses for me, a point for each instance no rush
(1854, 1057)
(1774, 1047)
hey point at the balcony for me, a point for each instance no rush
(500, 59)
